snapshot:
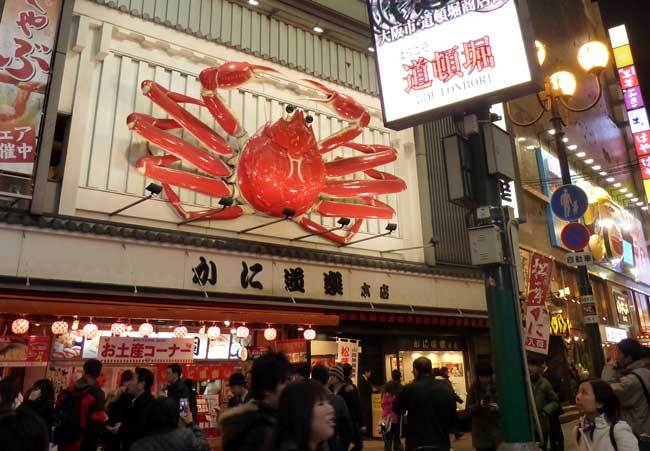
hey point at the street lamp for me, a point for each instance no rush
(559, 88)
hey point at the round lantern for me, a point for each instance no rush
(309, 334)
(90, 331)
(59, 328)
(145, 329)
(20, 326)
(242, 332)
(180, 331)
(270, 333)
(118, 328)
(213, 332)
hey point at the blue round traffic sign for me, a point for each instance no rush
(569, 202)
(575, 236)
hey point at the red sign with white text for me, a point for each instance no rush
(27, 37)
(537, 317)
(628, 77)
(145, 350)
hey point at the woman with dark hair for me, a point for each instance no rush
(600, 427)
(40, 400)
(390, 421)
(483, 409)
(10, 396)
(305, 417)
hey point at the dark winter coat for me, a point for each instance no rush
(133, 428)
(249, 427)
(486, 430)
(431, 408)
(181, 439)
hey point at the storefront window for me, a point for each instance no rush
(643, 312)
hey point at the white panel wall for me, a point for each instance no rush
(102, 88)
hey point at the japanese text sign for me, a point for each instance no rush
(537, 317)
(140, 350)
(634, 104)
(27, 38)
(433, 60)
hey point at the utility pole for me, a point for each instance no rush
(593, 341)
(503, 308)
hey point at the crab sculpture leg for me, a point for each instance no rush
(380, 182)
(208, 161)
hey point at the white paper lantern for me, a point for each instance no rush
(242, 332)
(180, 331)
(20, 326)
(309, 334)
(90, 331)
(118, 328)
(145, 329)
(270, 333)
(213, 332)
(59, 328)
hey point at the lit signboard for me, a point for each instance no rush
(434, 60)
(614, 335)
(639, 123)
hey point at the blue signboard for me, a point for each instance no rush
(569, 202)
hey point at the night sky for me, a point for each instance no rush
(635, 14)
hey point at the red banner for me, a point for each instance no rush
(220, 371)
(537, 317)
(27, 38)
(24, 351)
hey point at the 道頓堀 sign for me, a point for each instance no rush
(434, 60)
(27, 38)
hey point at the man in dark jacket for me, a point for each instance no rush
(133, 427)
(342, 437)
(365, 396)
(251, 426)
(87, 399)
(176, 388)
(341, 385)
(117, 405)
(431, 408)
(169, 431)
(240, 395)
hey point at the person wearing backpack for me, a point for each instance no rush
(630, 380)
(80, 414)
(600, 428)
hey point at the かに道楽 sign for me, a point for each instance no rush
(434, 58)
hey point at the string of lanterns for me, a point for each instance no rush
(20, 326)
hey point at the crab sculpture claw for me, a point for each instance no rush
(342, 104)
(227, 76)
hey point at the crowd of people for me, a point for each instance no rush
(279, 407)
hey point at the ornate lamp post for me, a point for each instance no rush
(557, 93)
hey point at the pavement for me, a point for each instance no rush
(465, 442)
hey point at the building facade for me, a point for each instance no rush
(70, 254)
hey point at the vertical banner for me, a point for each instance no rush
(27, 38)
(348, 352)
(537, 318)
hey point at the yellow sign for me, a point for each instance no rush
(623, 56)
(560, 325)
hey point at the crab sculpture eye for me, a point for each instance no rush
(309, 119)
(290, 109)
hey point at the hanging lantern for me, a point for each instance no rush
(213, 332)
(309, 334)
(242, 332)
(180, 331)
(270, 333)
(90, 331)
(118, 328)
(59, 328)
(145, 329)
(20, 326)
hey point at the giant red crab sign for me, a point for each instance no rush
(279, 169)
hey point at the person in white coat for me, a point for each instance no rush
(600, 428)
